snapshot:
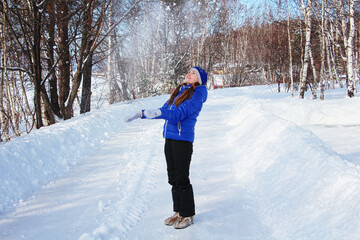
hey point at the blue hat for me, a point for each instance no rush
(202, 75)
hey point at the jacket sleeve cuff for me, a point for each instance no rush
(150, 114)
(142, 115)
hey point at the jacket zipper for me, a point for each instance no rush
(179, 127)
(179, 123)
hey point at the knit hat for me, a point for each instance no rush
(202, 75)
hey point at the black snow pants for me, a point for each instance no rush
(178, 158)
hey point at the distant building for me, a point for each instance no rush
(237, 75)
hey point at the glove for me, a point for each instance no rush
(132, 117)
(152, 113)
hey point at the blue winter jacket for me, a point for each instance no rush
(180, 121)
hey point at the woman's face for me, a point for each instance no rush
(191, 77)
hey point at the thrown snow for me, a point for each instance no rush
(265, 166)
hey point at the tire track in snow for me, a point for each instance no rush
(136, 181)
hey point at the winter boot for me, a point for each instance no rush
(171, 220)
(184, 222)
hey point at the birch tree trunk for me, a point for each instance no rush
(315, 81)
(349, 46)
(329, 64)
(10, 101)
(16, 104)
(46, 107)
(110, 58)
(303, 80)
(29, 125)
(290, 51)
(323, 48)
(301, 44)
(332, 55)
(3, 118)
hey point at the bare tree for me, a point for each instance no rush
(3, 117)
(91, 39)
(348, 38)
(323, 49)
(29, 18)
(64, 62)
(110, 58)
(307, 13)
(51, 61)
(290, 50)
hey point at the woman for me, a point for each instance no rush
(180, 113)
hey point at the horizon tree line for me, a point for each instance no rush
(50, 50)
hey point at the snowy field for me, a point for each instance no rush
(265, 166)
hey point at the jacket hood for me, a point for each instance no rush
(202, 90)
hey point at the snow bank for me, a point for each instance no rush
(304, 190)
(31, 161)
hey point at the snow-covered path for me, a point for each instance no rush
(121, 192)
(257, 171)
(222, 209)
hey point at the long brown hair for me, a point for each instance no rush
(185, 95)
